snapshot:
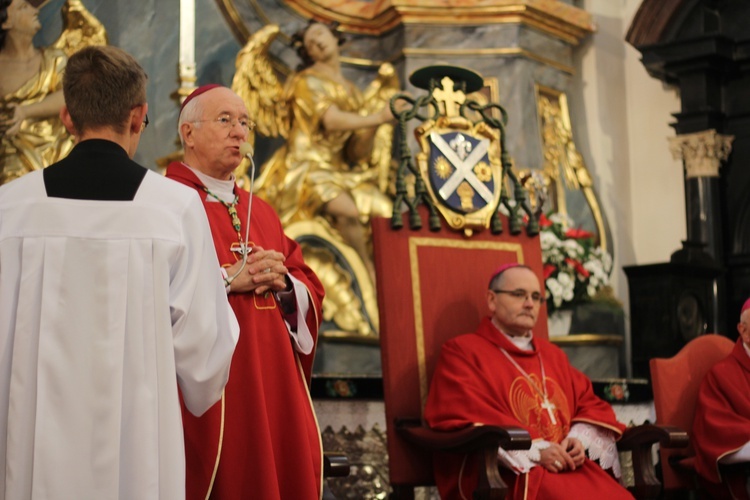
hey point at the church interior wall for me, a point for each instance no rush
(620, 114)
(621, 125)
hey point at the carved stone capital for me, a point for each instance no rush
(701, 152)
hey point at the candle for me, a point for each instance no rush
(187, 42)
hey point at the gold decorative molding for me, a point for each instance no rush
(340, 305)
(563, 164)
(240, 31)
(701, 152)
(587, 339)
(552, 17)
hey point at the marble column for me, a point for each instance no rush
(702, 154)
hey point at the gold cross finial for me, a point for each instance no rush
(450, 98)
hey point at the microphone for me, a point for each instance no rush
(246, 149)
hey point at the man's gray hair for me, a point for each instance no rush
(191, 113)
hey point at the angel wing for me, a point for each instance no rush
(80, 29)
(377, 95)
(256, 83)
(379, 92)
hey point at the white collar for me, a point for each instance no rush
(522, 342)
(223, 189)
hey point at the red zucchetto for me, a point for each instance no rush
(195, 93)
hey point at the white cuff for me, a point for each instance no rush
(302, 338)
(599, 443)
(522, 461)
(224, 276)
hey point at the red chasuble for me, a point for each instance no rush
(476, 384)
(262, 439)
(722, 415)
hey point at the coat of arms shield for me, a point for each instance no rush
(461, 163)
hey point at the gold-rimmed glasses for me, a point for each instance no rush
(228, 122)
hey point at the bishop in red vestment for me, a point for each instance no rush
(502, 375)
(262, 439)
(721, 427)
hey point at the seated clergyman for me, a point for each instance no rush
(504, 375)
(721, 430)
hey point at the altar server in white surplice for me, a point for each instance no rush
(110, 297)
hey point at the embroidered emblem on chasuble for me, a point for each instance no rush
(529, 407)
(265, 301)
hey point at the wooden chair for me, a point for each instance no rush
(675, 383)
(431, 287)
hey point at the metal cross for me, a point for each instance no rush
(550, 407)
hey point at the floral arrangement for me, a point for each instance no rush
(617, 392)
(575, 268)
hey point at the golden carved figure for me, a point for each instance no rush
(331, 175)
(33, 136)
(562, 161)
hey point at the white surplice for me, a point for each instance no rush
(105, 307)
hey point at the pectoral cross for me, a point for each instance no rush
(550, 407)
(241, 248)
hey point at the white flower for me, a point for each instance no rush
(566, 284)
(558, 218)
(549, 241)
(573, 249)
(555, 291)
(562, 288)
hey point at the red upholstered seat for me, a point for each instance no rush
(675, 383)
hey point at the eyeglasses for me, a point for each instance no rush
(227, 122)
(523, 294)
(145, 123)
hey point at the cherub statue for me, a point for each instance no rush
(33, 136)
(331, 175)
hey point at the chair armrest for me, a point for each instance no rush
(646, 435)
(639, 440)
(463, 440)
(335, 464)
(481, 440)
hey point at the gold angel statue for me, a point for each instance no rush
(331, 175)
(33, 136)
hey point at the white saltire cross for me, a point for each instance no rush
(463, 168)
